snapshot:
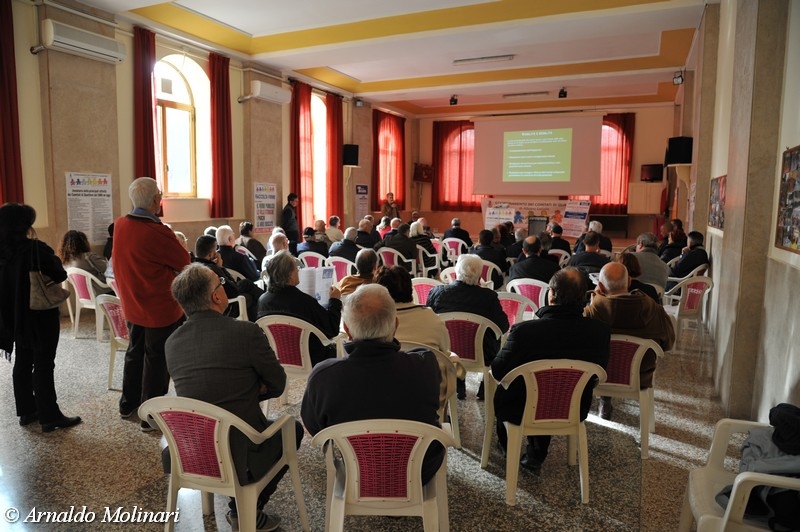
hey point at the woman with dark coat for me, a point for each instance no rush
(31, 334)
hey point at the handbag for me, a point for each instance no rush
(45, 293)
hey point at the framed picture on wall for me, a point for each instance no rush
(716, 204)
(787, 235)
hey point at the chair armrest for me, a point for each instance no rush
(283, 422)
(744, 484)
(722, 435)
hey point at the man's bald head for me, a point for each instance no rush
(614, 278)
(531, 246)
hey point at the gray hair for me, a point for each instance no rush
(647, 240)
(193, 287)
(370, 314)
(614, 276)
(595, 226)
(142, 192)
(350, 233)
(520, 234)
(279, 270)
(278, 240)
(417, 229)
(224, 234)
(469, 268)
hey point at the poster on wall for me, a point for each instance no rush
(265, 199)
(89, 206)
(362, 201)
(787, 235)
(575, 217)
(569, 214)
(716, 203)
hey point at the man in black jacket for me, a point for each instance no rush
(534, 266)
(560, 332)
(693, 256)
(497, 256)
(559, 243)
(346, 247)
(456, 232)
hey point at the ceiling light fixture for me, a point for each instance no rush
(485, 59)
(453, 100)
(562, 93)
(677, 79)
(526, 94)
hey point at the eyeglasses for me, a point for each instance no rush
(221, 283)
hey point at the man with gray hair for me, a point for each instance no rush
(346, 247)
(465, 294)
(596, 227)
(455, 231)
(366, 264)
(654, 270)
(369, 383)
(146, 258)
(228, 363)
(232, 259)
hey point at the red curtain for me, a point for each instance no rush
(221, 138)
(388, 158)
(10, 159)
(302, 170)
(453, 163)
(144, 108)
(335, 200)
(615, 165)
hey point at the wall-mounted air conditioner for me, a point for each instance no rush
(270, 93)
(64, 38)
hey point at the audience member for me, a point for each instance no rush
(277, 242)
(456, 231)
(664, 230)
(147, 257)
(232, 259)
(376, 236)
(346, 247)
(631, 264)
(486, 251)
(402, 243)
(365, 238)
(366, 264)
(32, 335)
(320, 235)
(654, 271)
(385, 226)
(109, 246)
(390, 207)
(251, 243)
(515, 249)
(533, 266)
(211, 230)
(283, 297)
(419, 238)
(230, 364)
(558, 242)
(693, 256)
(310, 243)
(333, 231)
(672, 249)
(414, 217)
(466, 295)
(560, 332)
(376, 380)
(426, 228)
(596, 227)
(394, 225)
(289, 219)
(506, 235)
(633, 314)
(76, 252)
(589, 260)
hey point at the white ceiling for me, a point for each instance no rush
(603, 57)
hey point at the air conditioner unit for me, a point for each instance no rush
(270, 93)
(64, 38)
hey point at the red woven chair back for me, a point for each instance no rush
(195, 437)
(694, 295)
(530, 291)
(555, 393)
(287, 344)
(80, 283)
(119, 325)
(619, 362)
(387, 258)
(383, 464)
(511, 308)
(422, 291)
(342, 269)
(462, 338)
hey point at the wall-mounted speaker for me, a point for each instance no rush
(350, 155)
(679, 151)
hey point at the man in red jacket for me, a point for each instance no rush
(146, 259)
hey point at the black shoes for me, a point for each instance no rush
(532, 465)
(146, 427)
(461, 395)
(605, 409)
(27, 420)
(61, 423)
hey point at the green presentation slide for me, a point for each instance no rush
(537, 156)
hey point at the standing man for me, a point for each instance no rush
(146, 257)
(289, 223)
(230, 364)
(560, 332)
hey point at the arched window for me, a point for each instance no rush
(183, 136)
(453, 162)
(389, 152)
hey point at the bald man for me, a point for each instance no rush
(633, 313)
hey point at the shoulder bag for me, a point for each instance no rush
(45, 293)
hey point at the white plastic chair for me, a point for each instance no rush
(554, 388)
(83, 284)
(672, 295)
(699, 504)
(515, 306)
(691, 292)
(422, 254)
(119, 336)
(563, 256)
(289, 337)
(391, 257)
(488, 272)
(422, 287)
(197, 435)
(448, 275)
(533, 289)
(454, 247)
(623, 372)
(342, 267)
(235, 275)
(605, 253)
(380, 471)
(312, 259)
(450, 366)
(241, 302)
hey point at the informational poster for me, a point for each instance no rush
(89, 205)
(362, 201)
(787, 234)
(265, 199)
(569, 214)
(716, 202)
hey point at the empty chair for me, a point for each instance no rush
(448, 275)
(489, 273)
(454, 248)
(312, 259)
(422, 254)
(392, 257)
(515, 306)
(341, 266)
(197, 435)
(422, 287)
(623, 370)
(699, 504)
(533, 289)
(554, 388)
(379, 471)
(691, 292)
(119, 336)
(84, 284)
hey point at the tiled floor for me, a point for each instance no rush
(108, 463)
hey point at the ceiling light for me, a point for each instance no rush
(562, 93)
(677, 79)
(526, 94)
(453, 100)
(485, 59)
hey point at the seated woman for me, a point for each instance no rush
(283, 297)
(419, 238)
(75, 252)
(249, 242)
(631, 263)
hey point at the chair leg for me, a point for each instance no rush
(77, 318)
(645, 415)
(583, 459)
(489, 386)
(430, 511)
(111, 359)
(572, 449)
(513, 451)
(336, 521)
(99, 323)
(285, 396)
(172, 503)
(246, 503)
(207, 502)
(453, 410)
(651, 399)
(687, 518)
(298, 495)
(443, 512)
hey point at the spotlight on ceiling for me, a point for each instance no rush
(677, 79)
(453, 100)
(562, 93)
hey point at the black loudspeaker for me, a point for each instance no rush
(350, 154)
(679, 151)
